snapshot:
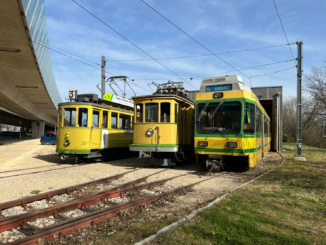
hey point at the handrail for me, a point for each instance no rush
(158, 135)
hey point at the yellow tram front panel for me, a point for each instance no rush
(78, 137)
(164, 134)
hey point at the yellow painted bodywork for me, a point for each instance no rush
(247, 145)
(84, 139)
(165, 133)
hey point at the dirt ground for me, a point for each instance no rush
(31, 154)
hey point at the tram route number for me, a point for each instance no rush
(72, 94)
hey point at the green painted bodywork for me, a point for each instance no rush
(153, 122)
(81, 152)
(230, 150)
(154, 145)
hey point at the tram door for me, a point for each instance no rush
(180, 125)
(95, 130)
(275, 120)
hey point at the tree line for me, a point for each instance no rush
(313, 110)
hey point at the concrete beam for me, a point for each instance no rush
(11, 119)
(22, 88)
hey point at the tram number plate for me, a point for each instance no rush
(72, 94)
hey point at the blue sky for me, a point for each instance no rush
(218, 24)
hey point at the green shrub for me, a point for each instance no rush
(285, 137)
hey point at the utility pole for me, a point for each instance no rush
(299, 156)
(103, 77)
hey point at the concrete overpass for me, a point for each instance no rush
(27, 84)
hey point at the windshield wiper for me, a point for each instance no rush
(213, 113)
(202, 111)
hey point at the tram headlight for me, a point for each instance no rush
(150, 132)
(232, 144)
(67, 142)
(203, 143)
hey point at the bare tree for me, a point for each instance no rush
(315, 85)
(312, 123)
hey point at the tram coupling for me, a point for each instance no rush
(215, 162)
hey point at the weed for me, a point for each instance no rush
(35, 192)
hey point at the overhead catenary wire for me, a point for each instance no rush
(127, 40)
(70, 57)
(192, 38)
(201, 55)
(270, 73)
(81, 61)
(68, 52)
(274, 63)
(284, 30)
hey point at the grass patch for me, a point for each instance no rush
(35, 192)
(287, 206)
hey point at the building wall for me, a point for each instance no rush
(269, 93)
(34, 11)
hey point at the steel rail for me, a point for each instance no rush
(14, 221)
(65, 227)
(48, 195)
(2, 177)
(23, 169)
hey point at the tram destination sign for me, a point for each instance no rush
(119, 100)
(219, 88)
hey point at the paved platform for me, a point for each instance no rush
(11, 141)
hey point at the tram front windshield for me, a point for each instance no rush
(224, 120)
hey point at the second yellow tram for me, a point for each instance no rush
(163, 128)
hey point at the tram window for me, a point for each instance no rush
(165, 112)
(82, 117)
(249, 119)
(114, 117)
(124, 121)
(105, 119)
(69, 117)
(270, 129)
(151, 112)
(265, 127)
(60, 117)
(259, 128)
(96, 119)
(140, 108)
(225, 120)
(176, 113)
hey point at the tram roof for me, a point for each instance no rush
(97, 105)
(163, 96)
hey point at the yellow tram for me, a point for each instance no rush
(231, 124)
(92, 128)
(163, 128)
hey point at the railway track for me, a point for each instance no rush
(2, 177)
(23, 169)
(93, 208)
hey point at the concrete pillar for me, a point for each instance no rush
(38, 129)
